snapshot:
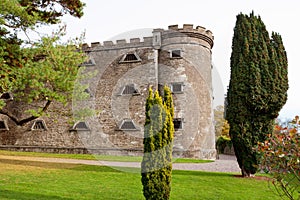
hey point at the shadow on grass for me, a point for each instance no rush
(48, 165)
(8, 194)
(70, 166)
(96, 168)
(51, 165)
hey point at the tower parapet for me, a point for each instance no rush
(199, 32)
(190, 28)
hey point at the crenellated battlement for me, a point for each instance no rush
(133, 42)
(190, 28)
(173, 31)
(199, 32)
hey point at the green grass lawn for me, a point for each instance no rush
(30, 180)
(95, 157)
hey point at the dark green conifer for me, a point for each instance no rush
(258, 87)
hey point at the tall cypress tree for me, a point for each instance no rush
(258, 87)
(158, 142)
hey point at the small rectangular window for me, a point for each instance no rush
(177, 87)
(177, 123)
(176, 54)
(161, 89)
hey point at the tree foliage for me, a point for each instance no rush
(158, 143)
(258, 87)
(43, 71)
(21, 15)
(225, 129)
(26, 14)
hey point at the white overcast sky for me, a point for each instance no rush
(106, 19)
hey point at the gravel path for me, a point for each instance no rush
(225, 163)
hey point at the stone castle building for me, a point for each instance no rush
(178, 57)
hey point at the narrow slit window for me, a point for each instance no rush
(130, 57)
(128, 124)
(39, 125)
(177, 87)
(130, 89)
(177, 123)
(80, 126)
(3, 126)
(175, 54)
(161, 89)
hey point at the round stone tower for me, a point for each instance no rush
(184, 63)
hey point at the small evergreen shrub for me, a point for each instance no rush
(158, 143)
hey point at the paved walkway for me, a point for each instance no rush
(225, 163)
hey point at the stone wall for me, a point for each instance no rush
(153, 67)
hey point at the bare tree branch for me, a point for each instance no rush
(28, 119)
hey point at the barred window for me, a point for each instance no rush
(39, 125)
(129, 89)
(130, 57)
(177, 87)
